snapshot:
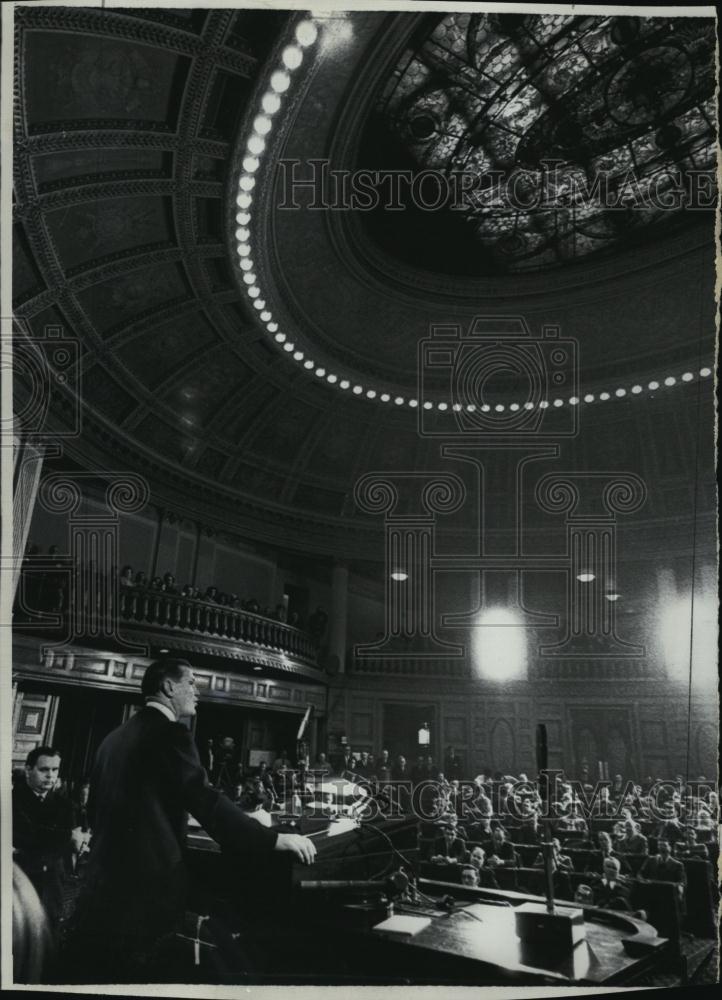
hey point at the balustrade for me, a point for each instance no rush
(187, 614)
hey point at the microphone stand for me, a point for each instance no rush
(548, 855)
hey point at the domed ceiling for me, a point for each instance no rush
(255, 357)
(562, 127)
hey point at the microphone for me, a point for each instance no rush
(396, 884)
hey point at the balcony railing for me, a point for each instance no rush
(185, 614)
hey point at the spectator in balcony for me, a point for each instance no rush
(235, 601)
(156, 584)
(317, 625)
(294, 619)
(126, 578)
(253, 606)
(280, 613)
(141, 580)
(211, 594)
(54, 583)
(169, 585)
(187, 591)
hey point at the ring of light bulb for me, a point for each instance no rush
(292, 57)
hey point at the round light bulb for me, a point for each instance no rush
(306, 33)
(280, 81)
(270, 102)
(292, 56)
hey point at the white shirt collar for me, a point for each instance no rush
(163, 709)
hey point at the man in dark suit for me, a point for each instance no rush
(147, 778)
(42, 824)
(662, 867)
(610, 890)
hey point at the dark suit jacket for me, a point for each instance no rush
(616, 897)
(41, 838)
(670, 870)
(147, 777)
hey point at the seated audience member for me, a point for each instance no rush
(573, 821)
(481, 829)
(400, 770)
(662, 867)
(595, 864)
(42, 822)
(141, 580)
(126, 577)
(321, 765)
(610, 890)
(211, 595)
(705, 820)
(689, 848)
(254, 801)
(169, 584)
(362, 765)
(632, 841)
(156, 584)
(470, 877)
(669, 827)
(187, 590)
(560, 861)
(383, 768)
(481, 804)
(485, 876)
(529, 824)
(80, 835)
(583, 895)
(448, 849)
(499, 852)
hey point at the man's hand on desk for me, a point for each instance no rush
(302, 847)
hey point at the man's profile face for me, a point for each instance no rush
(184, 694)
(43, 775)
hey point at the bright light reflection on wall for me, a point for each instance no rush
(499, 646)
(676, 614)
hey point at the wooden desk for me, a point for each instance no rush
(485, 935)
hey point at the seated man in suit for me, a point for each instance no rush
(596, 861)
(485, 878)
(689, 848)
(632, 840)
(499, 851)
(662, 867)
(448, 849)
(610, 890)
